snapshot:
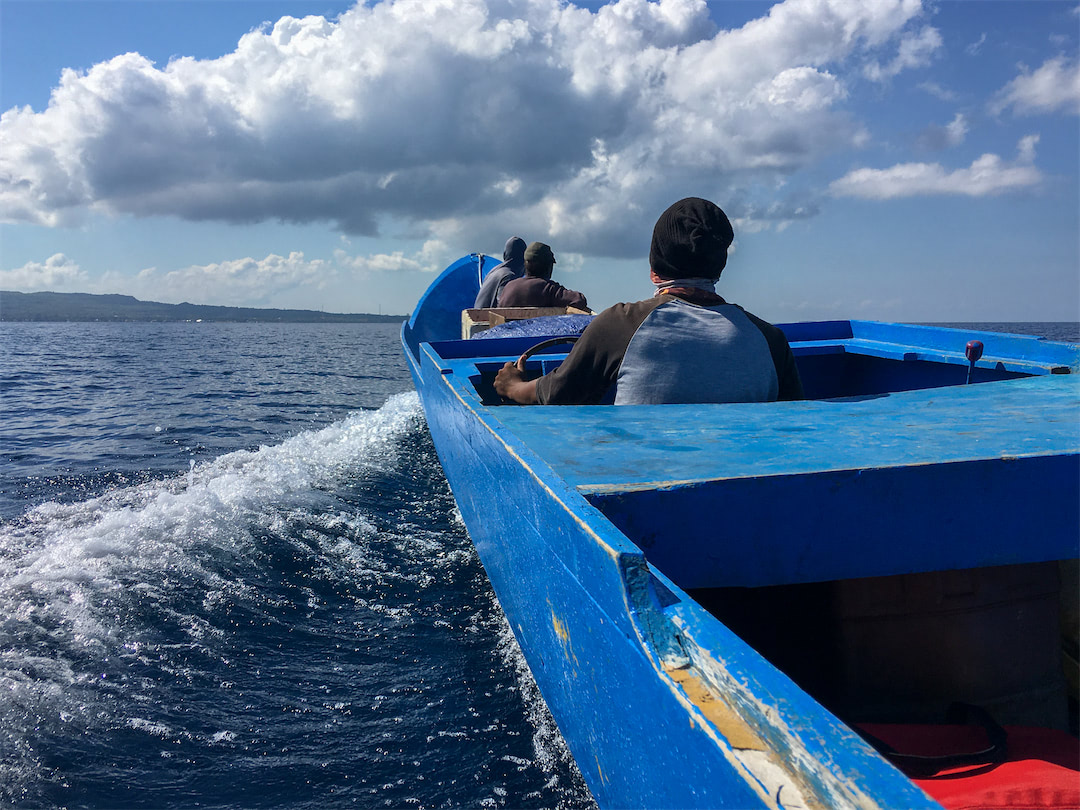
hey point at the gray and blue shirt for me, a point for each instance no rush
(666, 350)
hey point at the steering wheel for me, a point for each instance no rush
(539, 347)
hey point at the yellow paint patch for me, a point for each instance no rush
(560, 629)
(564, 636)
(727, 721)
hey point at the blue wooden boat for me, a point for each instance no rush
(632, 548)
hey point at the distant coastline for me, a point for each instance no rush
(54, 306)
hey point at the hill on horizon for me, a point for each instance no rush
(55, 306)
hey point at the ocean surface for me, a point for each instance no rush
(232, 575)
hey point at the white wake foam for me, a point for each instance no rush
(97, 539)
(70, 572)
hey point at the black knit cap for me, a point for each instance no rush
(690, 240)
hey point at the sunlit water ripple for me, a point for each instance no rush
(232, 575)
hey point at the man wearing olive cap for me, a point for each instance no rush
(686, 344)
(535, 288)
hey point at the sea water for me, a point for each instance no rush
(232, 575)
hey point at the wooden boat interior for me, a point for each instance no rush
(880, 615)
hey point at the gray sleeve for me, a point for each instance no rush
(489, 290)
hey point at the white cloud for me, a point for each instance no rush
(802, 89)
(941, 137)
(956, 130)
(937, 91)
(974, 48)
(987, 175)
(1026, 149)
(1054, 86)
(57, 273)
(463, 118)
(237, 282)
(915, 51)
(432, 256)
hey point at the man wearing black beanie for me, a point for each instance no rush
(686, 344)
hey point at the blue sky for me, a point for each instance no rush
(893, 159)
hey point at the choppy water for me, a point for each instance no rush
(232, 576)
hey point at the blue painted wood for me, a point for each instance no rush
(855, 523)
(592, 521)
(585, 610)
(936, 340)
(828, 490)
(438, 313)
(701, 443)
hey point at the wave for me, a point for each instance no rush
(104, 599)
(265, 623)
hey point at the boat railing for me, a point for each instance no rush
(830, 369)
(907, 352)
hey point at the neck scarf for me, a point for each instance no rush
(701, 291)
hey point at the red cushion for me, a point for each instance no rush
(1041, 771)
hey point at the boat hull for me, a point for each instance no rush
(659, 702)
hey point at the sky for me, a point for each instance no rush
(902, 160)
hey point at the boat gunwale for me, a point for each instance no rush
(838, 763)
